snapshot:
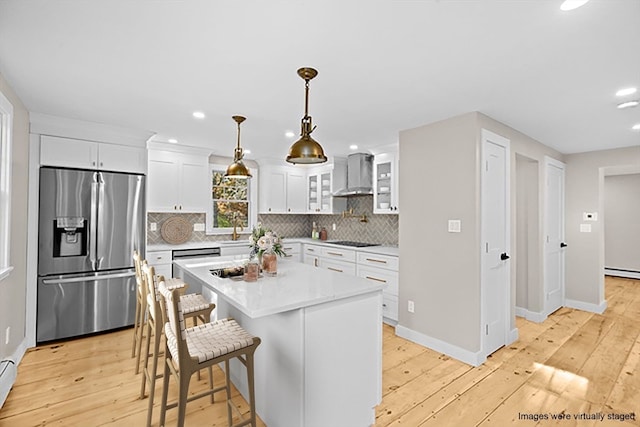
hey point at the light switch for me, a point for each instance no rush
(585, 228)
(153, 226)
(198, 226)
(455, 225)
(589, 216)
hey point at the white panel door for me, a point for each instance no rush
(495, 287)
(554, 239)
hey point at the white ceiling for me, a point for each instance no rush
(384, 66)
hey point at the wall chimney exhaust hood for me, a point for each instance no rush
(359, 176)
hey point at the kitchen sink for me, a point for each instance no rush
(353, 244)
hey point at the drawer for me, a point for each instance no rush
(291, 248)
(376, 260)
(338, 266)
(312, 250)
(158, 257)
(339, 254)
(388, 278)
(390, 307)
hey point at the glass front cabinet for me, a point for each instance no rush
(322, 182)
(385, 184)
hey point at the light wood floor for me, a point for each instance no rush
(573, 363)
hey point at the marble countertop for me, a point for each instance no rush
(297, 285)
(383, 250)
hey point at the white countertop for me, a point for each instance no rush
(296, 286)
(383, 250)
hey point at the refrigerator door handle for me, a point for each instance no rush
(100, 217)
(92, 226)
(87, 278)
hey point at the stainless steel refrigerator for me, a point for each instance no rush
(90, 223)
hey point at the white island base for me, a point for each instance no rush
(316, 366)
(320, 360)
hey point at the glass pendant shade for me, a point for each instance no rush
(237, 169)
(306, 150)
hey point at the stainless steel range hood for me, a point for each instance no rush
(359, 176)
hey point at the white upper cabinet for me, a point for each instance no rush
(281, 190)
(177, 182)
(322, 182)
(385, 183)
(81, 154)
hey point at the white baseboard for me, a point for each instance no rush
(532, 316)
(586, 306)
(466, 356)
(622, 273)
(7, 380)
(513, 336)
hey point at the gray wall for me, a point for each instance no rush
(622, 222)
(585, 174)
(13, 288)
(440, 271)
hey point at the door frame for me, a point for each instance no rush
(550, 161)
(494, 138)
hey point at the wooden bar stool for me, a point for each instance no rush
(190, 349)
(196, 307)
(142, 310)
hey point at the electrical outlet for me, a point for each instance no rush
(410, 306)
(334, 226)
(198, 226)
(7, 334)
(153, 226)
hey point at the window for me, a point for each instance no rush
(231, 200)
(6, 121)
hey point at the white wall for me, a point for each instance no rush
(13, 288)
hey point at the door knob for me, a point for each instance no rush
(504, 256)
(563, 245)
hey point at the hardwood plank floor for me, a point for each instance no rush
(574, 363)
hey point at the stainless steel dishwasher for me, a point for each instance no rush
(194, 255)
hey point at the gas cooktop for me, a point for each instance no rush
(354, 244)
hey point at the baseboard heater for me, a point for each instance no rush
(8, 374)
(620, 272)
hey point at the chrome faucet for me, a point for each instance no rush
(237, 222)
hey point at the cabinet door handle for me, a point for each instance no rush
(381, 261)
(376, 279)
(93, 163)
(101, 164)
(315, 262)
(288, 209)
(335, 269)
(334, 253)
(310, 250)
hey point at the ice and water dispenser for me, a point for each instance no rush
(69, 237)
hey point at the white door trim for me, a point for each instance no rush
(550, 161)
(494, 138)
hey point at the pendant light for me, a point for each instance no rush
(237, 169)
(306, 150)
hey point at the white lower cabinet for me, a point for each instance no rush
(161, 262)
(293, 251)
(377, 268)
(382, 269)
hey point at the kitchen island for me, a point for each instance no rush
(320, 360)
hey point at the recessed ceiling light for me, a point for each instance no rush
(289, 134)
(198, 114)
(626, 91)
(572, 4)
(353, 147)
(636, 126)
(173, 140)
(628, 104)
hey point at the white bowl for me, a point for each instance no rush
(325, 182)
(384, 189)
(313, 194)
(313, 184)
(384, 205)
(325, 192)
(325, 206)
(313, 206)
